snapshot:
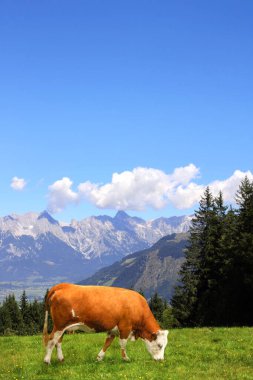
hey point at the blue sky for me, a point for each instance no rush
(138, 88)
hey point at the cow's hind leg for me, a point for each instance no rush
(59, 349)
(107, 344)
(53, 340)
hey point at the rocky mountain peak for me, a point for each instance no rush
(45, 215)
(121, 215)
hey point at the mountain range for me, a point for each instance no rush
(154, 269)
(35, 248)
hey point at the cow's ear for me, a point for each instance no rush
(153, 336)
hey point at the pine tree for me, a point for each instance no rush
(25, 312)
(156, 305)
(194, 300)
(212, 265)
(36, 317)
(168, 319)
(229, 246)
(186, 294)
(243, 271)
(24, 307)
(11, 307)
(5, 319)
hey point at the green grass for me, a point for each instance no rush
(219, 353)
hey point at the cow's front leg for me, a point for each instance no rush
(107, 344)
(123, 338)
(123, 343)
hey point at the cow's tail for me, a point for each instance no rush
(45, 327)
(48, 300)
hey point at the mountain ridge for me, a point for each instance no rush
(35, 241)
(154, 269)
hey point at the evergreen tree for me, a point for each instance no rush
(25, 312)
(36, 317)
(156, 305)
(195, 298)
(244, 200)
(12, 311)
(5, 319)
(243, 270)
(191, 277)
(211, 266)
(168, 319)
(229, 245)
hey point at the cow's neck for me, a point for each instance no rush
(150, 326)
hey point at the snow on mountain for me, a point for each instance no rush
(88, 244)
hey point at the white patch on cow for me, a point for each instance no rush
(131, 336)
(59, 352)
(123, 343)
(101, 355)
(79, 326)
(156, 347)
(74, 314)
(51, 344)
(114, 331)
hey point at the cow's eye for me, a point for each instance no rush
(159, 346)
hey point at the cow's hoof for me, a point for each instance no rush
(61, 360)
(101, 356)
(126, 359)
(47, 362)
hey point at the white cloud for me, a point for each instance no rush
(230, 185)
(138, 189)
(60, 195)
(142, 188)
(18, 183)
(183, 197)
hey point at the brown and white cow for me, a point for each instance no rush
(119, 312)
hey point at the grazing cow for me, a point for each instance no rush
(119, 312)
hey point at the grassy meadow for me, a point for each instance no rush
(219, 353)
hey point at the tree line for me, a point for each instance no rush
(216, 280)
(215, 286)
(21, 318)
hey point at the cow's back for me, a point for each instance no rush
(99, 307)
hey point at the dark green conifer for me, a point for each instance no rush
(243, 271)
(156, 305)
(193, 274)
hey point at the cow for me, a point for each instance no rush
(117, 311)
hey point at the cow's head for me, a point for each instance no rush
(157, 344)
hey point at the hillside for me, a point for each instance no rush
(149, 270)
